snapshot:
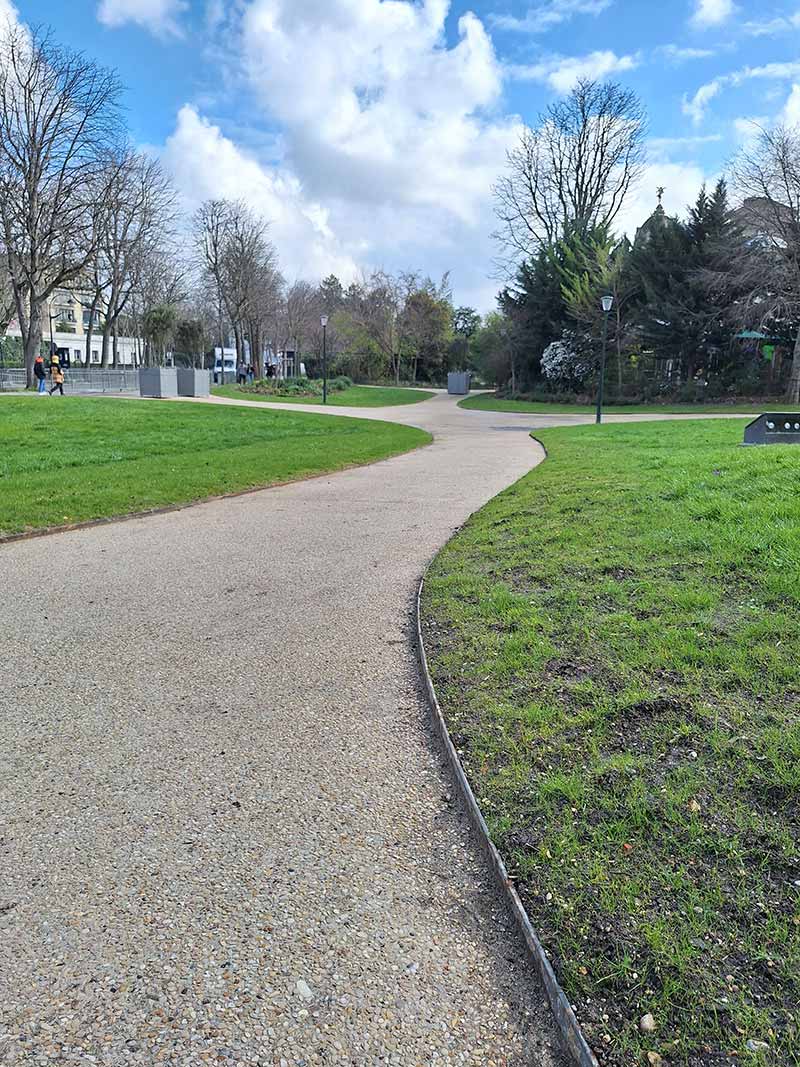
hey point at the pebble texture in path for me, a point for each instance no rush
(226, 836)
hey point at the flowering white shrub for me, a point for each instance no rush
(566, 361)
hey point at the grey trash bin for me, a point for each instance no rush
(458, 382)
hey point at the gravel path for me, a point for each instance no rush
(225, 834)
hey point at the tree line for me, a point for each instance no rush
(705, 305)
(84, 214)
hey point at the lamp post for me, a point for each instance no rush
(607, 303)
(324, 323)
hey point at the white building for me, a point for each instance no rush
(66, 321)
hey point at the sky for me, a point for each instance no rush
(369, 132)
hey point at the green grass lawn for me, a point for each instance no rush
(65, 460)
(489, 402)
(357, 396)
(616, 645)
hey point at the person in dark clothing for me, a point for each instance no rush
(40, 374)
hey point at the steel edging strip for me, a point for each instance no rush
(568, 1024)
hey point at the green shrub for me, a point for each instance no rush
(310, 387)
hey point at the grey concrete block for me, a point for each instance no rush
(158, 381)
(193, 382)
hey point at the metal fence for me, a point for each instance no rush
(79, 380)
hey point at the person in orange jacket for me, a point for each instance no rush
(57, 378)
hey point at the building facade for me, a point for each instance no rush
(66, 320)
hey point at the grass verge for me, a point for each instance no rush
(71, 459)
(616, 645)
(484, 402)
(356, 396)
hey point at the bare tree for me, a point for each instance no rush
(134, 224)
(59, 116)
(765, 276)
(299, 325)
(239, 260)
(160, 283)
(7, 301)
(263, 309)
(374, 307)
(573, 172)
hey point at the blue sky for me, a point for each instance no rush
(370, 131)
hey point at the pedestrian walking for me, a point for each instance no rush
(241, 373)
(251, 373)
(57, 378)
(40, 375)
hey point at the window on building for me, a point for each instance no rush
(88, 315)
(77, 352)
(95, 356)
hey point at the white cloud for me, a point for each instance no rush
(389, 145)
(207, 164)
(562, 72)
(543, 17)
(709, 13)
(8, 13)
(160, 17)
(675, 54)
(697, 106)
(774, 26)
(662, 145)
(791, 111)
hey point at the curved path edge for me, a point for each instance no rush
(574, 1039)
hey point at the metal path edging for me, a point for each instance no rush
(568, 1024)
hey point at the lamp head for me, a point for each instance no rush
(323, 321)
(608, 303)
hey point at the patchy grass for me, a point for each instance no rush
(490, 402)
(356, 396)
(66, 460)
(616, 645)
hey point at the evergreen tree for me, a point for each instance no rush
(535, 307)
(664, 260)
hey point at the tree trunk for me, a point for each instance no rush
(104, 350)
(793, 389)
(23, 317)
(90, 332)
(237, 336)
(33, 343)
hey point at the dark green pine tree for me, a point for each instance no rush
(678, 313)
(714, 236)
(535, 306)
(662, 260)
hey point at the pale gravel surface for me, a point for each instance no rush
(226, 836)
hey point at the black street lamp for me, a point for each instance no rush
(608, 303)
(324, 323)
